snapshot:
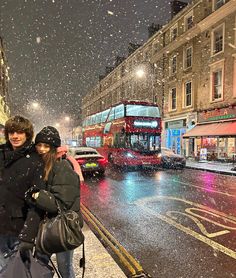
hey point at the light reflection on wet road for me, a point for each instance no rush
(176, 223)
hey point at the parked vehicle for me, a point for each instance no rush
(169, 159)
(89, 159)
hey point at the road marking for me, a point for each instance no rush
(190, 211)
(206, 189)
(199, 224)
(170, 221)
(157, 198)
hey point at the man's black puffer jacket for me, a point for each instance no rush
(64, 185)
(20, 170)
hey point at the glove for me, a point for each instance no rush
(30, 191)
(25, 249)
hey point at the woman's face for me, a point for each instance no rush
(43, 148)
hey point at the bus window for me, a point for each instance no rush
(93, 118)
(98, 118)
(119, 111)
(142, 110)
(111, 114)
(104, 115)
(119, 140)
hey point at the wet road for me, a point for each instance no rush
(176, 223)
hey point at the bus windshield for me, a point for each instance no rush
(143, 142)
(142, 110)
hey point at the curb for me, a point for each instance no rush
(211, 170)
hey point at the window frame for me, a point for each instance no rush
(174, 27)
(219, 65)
(186, 26)
(214, 2)
(185, 94)
(171, 99)
(186, 57)
(171, 65)
(213, 44)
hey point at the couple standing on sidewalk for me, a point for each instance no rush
(34, 178)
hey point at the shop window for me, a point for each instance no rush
(222, 148)
(231, 147)
(217, 40)
(188, 57)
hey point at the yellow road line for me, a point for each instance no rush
(119, 250)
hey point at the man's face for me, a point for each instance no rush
(17, 139)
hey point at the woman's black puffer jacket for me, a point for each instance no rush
(63, 185)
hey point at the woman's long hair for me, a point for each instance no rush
(49, 160)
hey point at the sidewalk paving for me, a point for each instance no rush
(99, 263)
(212, 166)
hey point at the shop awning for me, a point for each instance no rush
(211, 130)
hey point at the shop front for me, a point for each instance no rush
(215, 134)
(174, 131)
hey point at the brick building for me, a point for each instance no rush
(190, 72)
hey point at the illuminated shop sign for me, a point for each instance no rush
(149, 124)
(217, 114)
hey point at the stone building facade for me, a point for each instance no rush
(4, 97)
(190, 69)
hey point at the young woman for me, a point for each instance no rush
(62, 184)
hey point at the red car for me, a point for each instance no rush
(89, 160)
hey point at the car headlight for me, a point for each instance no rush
(130, 155)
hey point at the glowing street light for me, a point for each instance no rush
(147, 70)
(140, 73)
(35, 105)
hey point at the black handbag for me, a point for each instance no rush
(60, 233)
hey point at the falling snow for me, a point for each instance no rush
(56, 50)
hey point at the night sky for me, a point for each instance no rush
(57, 49)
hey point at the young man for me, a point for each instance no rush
(20, 169)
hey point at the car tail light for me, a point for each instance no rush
(103, 161)
(80, 161)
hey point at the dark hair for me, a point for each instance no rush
(19, 124)
(49, 160)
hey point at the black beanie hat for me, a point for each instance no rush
(49, 135)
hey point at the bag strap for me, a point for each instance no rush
(82, 261)
(56, 270)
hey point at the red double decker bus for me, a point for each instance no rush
(128, 133)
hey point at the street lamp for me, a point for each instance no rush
(142, 72)
(35, 105)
